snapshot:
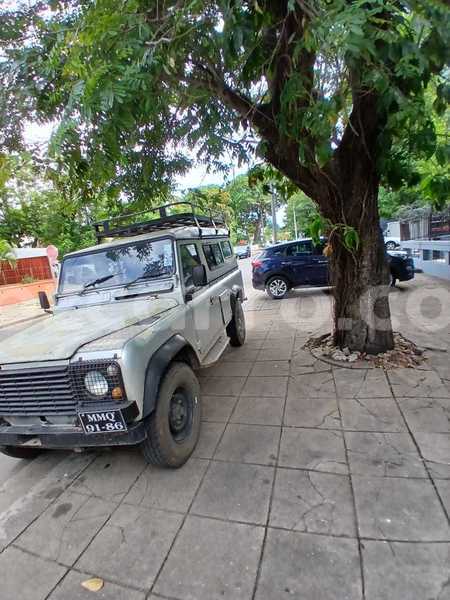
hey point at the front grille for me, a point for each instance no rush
(37, 392)
(53, 390)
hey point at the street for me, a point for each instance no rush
(342, 471)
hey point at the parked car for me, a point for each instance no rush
(243, 251)
(295, 264)
(115, 364)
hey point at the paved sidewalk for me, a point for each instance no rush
(310, 482)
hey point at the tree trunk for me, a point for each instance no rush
(362, 320)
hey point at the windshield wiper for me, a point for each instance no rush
(142, 277)
(97, 281)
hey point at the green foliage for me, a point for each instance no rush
(305, 210)
(6, 253)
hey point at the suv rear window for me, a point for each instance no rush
(213, 255)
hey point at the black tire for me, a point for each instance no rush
(393, 280)
(236, 330)
(173, 428)
(21, 452)
(277, 287)
(391, 245)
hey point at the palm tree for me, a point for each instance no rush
(6, 254)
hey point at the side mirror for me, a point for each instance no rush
(43, 301)
(199, 276)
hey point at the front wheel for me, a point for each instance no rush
(236, 329)
(277, 287)
(391, 246)
(21, 452)
(173, 428)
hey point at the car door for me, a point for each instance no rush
(201, 312)
(319, 266)
(298, 262)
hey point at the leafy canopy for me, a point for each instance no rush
(307, 85)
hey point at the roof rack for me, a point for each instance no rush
(116, 228)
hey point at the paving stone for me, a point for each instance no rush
(132, 546)
(258, 411)
(300, 565)
(222, 386)
(24, 496)
(401, 571)
(242, 354)
(313, 502)
(271, 354)
(371, 414)
(383, 454)
(440, 362)
(361, 383)
(66, 528)
(270, 368)
(212, 560)
(417, 383)
(266, 387)
(315, 449)
(226, 369)
(399, 509)
(435, 449)
(71, 589)
(249, 444)
(318, 366)
(312, 386)
(218, 408)
(168, 489)
(235, 491)
(111, 475)
(426, 414)
(443, 487)
(311, 412)
(210, 435)
(27, 577)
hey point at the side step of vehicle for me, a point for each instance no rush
(216, 351)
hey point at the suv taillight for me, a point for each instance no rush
(256, 263)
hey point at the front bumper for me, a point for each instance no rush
(73, 437)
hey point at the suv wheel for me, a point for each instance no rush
(20, 452)
(174, 426)
(277, 287)
(236, 328)
(391, 246)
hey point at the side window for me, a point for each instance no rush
(213, 255)
(189, 259)
(300, 248)
(226, 249)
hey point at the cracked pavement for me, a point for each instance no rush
(310, 481)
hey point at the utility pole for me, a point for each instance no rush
(295, 224)
(274, 216)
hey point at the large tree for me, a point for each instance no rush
(320, 89)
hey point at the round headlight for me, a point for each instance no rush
(96, 383)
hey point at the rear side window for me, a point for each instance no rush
(226, 249)
(189, 259)
(213, 255)
(299, 248)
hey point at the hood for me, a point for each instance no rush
(59, 336)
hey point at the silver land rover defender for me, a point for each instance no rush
(134, 317)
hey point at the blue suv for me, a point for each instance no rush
(294, 264)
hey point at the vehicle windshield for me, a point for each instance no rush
(120, 265)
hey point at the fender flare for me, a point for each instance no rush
(156, 368)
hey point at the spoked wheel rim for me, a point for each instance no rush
(181, 414)
(278, 287)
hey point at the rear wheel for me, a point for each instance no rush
(236, 328)
(173, 428)
(277, 287)
(391, 245)
(21, 452)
